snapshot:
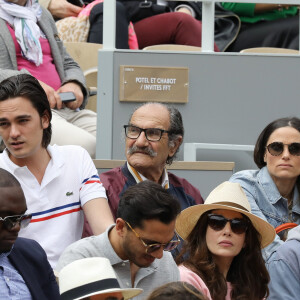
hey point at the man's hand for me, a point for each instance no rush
(62, 9)
(52, 95)
(76, 89)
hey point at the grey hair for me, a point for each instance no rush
(176, 129)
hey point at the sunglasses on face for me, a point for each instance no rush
(277, 148)
(10, 222)
(154, 247)
(218, 222)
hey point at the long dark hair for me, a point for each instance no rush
(247, 274)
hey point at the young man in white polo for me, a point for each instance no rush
(59, 182)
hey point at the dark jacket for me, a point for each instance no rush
(116, 181)
(29, 258)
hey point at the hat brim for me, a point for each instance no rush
(127, 293)
(189, 217)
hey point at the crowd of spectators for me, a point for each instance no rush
(223, 248)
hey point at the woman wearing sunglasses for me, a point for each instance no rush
(273, 190)
(223, 240)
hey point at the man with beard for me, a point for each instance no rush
(135, 244)
(153, 136)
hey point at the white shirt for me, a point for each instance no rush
(70, 181)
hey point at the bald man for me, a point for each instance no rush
(25, 272)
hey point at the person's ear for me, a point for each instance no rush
(176, 144)
(45, 119)
(121, 227)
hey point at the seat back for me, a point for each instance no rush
(204, 175)
(86, 55)
(173, 47)
(91, 81)
(270, 50)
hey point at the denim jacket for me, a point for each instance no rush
(284, 269)
(266, 201)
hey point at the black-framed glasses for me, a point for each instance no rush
(10, 222)
(218, 222)
(152, 134)
(154, 247)
(276, 148)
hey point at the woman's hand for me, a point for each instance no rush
(62, 8)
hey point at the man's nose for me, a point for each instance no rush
(158, 253)
(141, 140)
(15, 228)
(14, 131)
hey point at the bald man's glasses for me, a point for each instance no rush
(10, 222)
(151, 134)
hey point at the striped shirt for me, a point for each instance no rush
(69, 182)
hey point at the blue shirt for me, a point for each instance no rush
(266, 201)
(12, 284)
(284, 269)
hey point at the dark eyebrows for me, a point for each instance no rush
(23, 117)
(17, 118)
(149, 242)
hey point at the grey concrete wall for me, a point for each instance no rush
(232, 97)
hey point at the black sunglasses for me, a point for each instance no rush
(276, 148)
(154, 247)
(10, 222)
(218, 222)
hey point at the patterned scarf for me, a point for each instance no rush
(24, 21)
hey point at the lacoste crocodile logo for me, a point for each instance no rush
(69, 193)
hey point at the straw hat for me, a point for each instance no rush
(91, 276)
(227, 195)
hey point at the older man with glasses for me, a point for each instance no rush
(137, 245)
(154, 134)
(25, 272)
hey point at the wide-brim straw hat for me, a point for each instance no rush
(91, 276)
(228, 195)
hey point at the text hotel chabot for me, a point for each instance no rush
(155, 83)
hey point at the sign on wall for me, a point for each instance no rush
(148, 84)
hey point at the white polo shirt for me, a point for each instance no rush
(70, 181)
